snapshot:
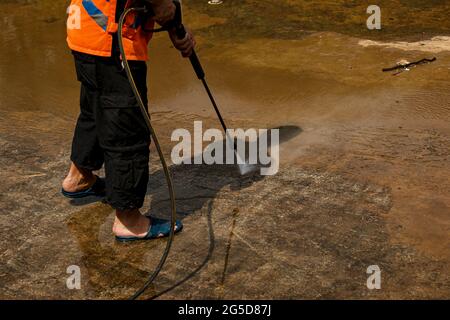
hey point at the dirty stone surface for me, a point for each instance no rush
(302, 233)
(365, 158)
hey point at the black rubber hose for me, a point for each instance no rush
(158, 148)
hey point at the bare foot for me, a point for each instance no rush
(78, 179)
(130, 223)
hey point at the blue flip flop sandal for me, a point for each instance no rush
(159, 228)
(97, 189)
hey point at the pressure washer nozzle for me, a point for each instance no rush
(247, 168)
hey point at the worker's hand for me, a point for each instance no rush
(186, 45)
(164, 11)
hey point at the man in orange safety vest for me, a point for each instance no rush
(110, 130)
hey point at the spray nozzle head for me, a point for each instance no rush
(247, 168)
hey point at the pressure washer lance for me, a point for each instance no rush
(244, 168)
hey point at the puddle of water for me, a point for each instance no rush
(292, 19)
(265, 60)
(36, 71)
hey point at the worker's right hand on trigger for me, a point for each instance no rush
(164, 11)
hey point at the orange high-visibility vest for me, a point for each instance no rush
(91, 24)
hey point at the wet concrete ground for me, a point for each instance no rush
(364, 182)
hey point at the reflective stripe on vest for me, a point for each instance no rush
(95, 13)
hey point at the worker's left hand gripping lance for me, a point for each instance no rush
(181, 33)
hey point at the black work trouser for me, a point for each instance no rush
(111, 129)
